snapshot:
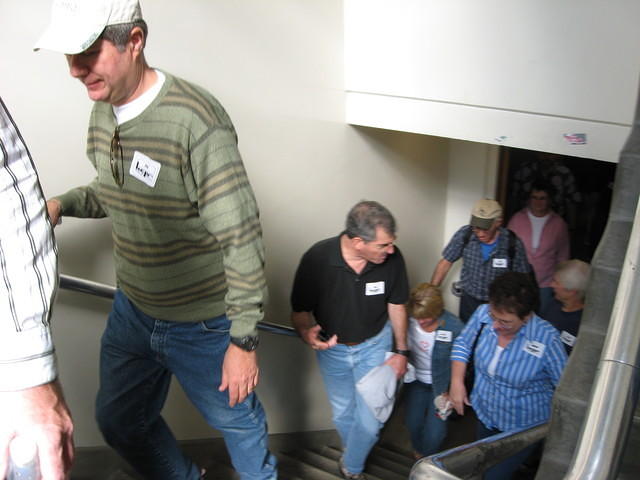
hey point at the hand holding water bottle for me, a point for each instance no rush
(23, 460)
(38, 415)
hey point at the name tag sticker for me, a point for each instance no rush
(567, 338)
(374, 288)
(534, 348)
(443, 336)
(144, 169)
(499, 263)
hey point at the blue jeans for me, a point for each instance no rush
(505, 469)
(427, 431)
(139, 355)
(341, 367)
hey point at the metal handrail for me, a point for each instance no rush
(615, 389)
(86, 286)
(76, 284)
(469, 461)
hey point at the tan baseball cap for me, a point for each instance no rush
(484, 212)
(76, 24)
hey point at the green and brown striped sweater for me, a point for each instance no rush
(189, 248)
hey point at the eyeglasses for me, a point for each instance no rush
(503, 322)
(116, 158)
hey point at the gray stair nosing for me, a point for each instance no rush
(374, 460)
(317, 472)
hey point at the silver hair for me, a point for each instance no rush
(119, 34)
(365, 217)
(573, 275)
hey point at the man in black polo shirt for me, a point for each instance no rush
(348, 304)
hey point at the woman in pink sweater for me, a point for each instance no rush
(545, 236)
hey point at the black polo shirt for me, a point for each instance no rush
(567, 323)
(351, 305)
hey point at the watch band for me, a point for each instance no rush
(247, 343)
(406, 353)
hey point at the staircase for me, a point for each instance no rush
(301, 456)
(321, 463)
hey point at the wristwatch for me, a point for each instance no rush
(406, 353)
(247, 343)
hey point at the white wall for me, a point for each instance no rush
(520, 74)
(277, 67)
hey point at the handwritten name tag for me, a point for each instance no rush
(534, 348)
(144, 169)
(499, 263)
(443, 336)
(567, 338)
(374, 288)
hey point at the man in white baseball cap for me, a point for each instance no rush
(188, 246)
(76, 24)
(488, 250)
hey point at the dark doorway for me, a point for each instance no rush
(583, 191)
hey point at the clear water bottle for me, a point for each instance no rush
(23, 460)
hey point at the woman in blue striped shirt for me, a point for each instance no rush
(518, 362)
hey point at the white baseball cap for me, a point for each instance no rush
(76, 24)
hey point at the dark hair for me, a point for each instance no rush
(119, 34)
(514, 292)
(542, 185)
(365, 217)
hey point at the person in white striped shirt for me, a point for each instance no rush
(518, 360)
(31, 400)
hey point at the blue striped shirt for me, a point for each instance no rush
(519, 393)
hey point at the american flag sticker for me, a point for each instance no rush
(576, 138)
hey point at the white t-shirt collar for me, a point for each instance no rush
(131, 110)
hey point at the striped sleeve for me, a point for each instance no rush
(82, 202)
(28, 268)
(556, 358)
(228, 208)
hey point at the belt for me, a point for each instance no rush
(350, 344)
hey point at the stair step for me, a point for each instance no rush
(405, 459)
(390, 465)
(374, 467)
(295, 465)
(119, 475)
(395, 449)
(327, 460)
(220, 470)
(377, 458)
